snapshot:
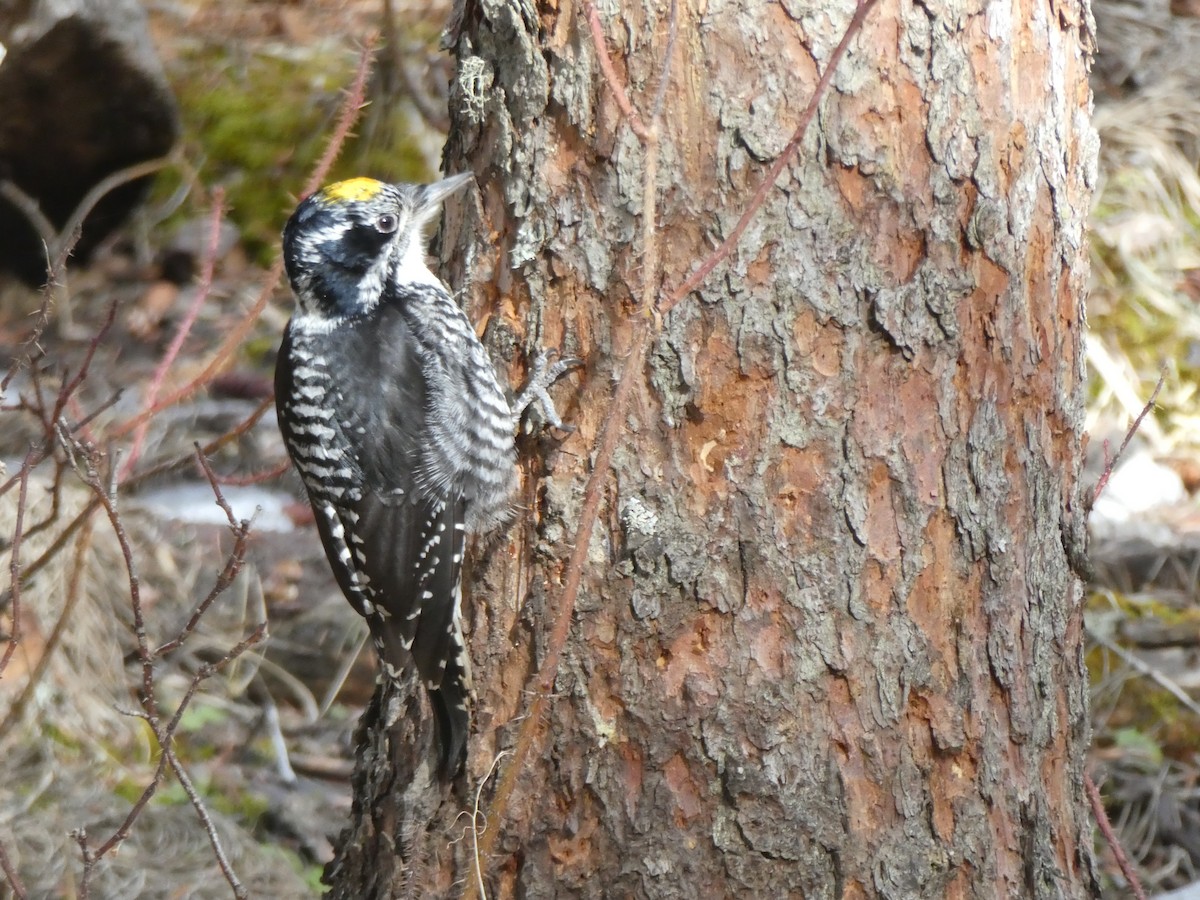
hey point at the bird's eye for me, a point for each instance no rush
(386, 223)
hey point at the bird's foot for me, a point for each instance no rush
(544, 372)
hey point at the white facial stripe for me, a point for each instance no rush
(412, 268)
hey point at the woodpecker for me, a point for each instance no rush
(393, 416)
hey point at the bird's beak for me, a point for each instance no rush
(435, 193)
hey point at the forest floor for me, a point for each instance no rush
(265, 741)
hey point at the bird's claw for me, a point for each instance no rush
(542, 374)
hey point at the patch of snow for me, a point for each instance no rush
(195, 503)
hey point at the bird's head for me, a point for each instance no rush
(348, 242)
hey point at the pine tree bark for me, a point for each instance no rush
(829, 641)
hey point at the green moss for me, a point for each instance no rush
(1139, 747)
(260, 349)
(310, 873)
(198, 716)
(256, 125)
(245, 806)
(62, 738)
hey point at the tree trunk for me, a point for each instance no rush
(829, 641)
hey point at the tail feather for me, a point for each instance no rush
(450, 706)
(450, 700)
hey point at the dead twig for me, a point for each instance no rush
(1093, 792)
(162, 468)
(108, 184)
(350, 110)
(1110, 836)
(60, 242)
(276, 471)
(233, 563)
(14, 880)
(51, 420)
(56, 634)
(106, 497)
(14, 566)
(1111, 462)
(165, 742)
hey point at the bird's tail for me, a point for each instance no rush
(450, 704)
(450, 700)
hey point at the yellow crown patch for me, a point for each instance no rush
(353, 190)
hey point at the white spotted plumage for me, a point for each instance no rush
(396, 423)
(394, 419)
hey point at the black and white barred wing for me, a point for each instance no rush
(406, 553)
(405, 569)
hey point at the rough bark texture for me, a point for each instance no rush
(829, 642)
(383, 851)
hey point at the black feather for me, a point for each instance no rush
(393, 539)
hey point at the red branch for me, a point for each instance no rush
(203, 289)
(1093, 792)
(610, 74)
(694, 280)
(350, 110)
(1110, 835)
(1134, 426)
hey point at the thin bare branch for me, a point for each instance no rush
(277, 470)
(14, 566)
(1106, 828)
(66, 392)
(694, 280)
(108, 500)
(126, 827)
(239, 890)
(105, 186)
(10, 872)
(203, 290)
(17, 709)
(1111, 463)
(73, 526)
(166, 737)
(233, 564)
(238, 527)
(71, 385)
(31, 210)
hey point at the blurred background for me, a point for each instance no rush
(249, 93)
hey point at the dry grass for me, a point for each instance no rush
(134, 717)
(1144, 314)
(1145, 262)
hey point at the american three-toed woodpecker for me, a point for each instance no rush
(393, 416)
